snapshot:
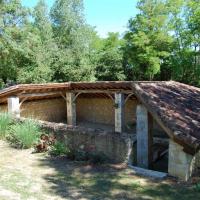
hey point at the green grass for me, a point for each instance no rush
(59, 149)
(25, 134)
(5, 121)
(119, 185)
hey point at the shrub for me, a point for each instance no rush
(59, 149)
(5, 121)
(197, 187)
(24, 135)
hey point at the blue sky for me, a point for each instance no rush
(105, 15)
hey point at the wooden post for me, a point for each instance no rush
(144, 137)
(14, 106)
(119, 112)
(71, 109)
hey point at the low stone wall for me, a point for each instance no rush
(117, 147)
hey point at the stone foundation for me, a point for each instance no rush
(181, 164)
(117, 147)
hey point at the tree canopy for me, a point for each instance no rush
(56, 44)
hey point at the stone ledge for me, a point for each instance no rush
(148, 173)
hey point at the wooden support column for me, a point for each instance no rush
(71, 109)
(144, 137)
(14, 106)
(119, 112)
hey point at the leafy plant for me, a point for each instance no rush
(59, 149)
(5, 121)
(197, 187)
(24, 135)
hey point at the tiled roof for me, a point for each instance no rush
(175, 106)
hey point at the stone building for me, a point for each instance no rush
(137, 122)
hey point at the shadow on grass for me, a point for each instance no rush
(78, 181)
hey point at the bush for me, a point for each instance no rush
(24, 135)
(59, 149)
(197, 187)
(5, 121)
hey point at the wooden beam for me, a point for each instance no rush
(108, 91)
(144, 137)
(119, 112)
(14, 106)
(38, 94)
(128, 97)
(71, 109)
(188, 148)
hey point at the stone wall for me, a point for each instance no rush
(181, 164)
(94, 110)
(117, 147)
(197, 162)
(3, 108)
(53, 110)
(101, 110)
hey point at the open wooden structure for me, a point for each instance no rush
(174, 106)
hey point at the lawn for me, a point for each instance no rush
(28, 176)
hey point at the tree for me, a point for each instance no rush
(185, 59)
(41, 48)
(73, 37)
(12, 17)
(148, 42)
(109, 59)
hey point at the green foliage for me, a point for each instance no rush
(59, 149)
(24, 135)
(185, 63)
(5, 121)
(73, 37)
(148, 42)
(37, 46)
(110, 59)
(197, 187)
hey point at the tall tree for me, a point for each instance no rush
(148, 40)
(40, 46)
(109, 59)
(185, 21)
(73, 37)
(12, 17)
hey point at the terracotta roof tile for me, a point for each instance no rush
(177, 106)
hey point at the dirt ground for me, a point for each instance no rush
(27, 176)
